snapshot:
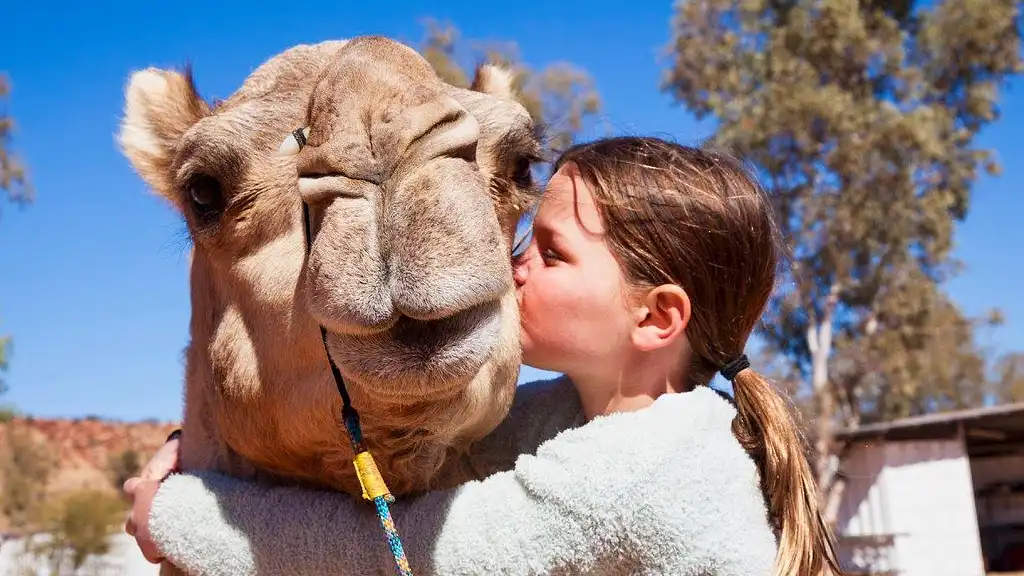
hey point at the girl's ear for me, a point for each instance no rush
(661, 317)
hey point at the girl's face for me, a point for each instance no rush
(572, 294)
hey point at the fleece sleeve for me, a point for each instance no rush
(513, 521)
(212, 524)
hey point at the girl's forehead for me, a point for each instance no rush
(569, 201)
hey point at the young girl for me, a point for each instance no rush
(649, 266)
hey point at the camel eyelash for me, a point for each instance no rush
(503, 190)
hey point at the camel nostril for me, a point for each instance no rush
(317, 188)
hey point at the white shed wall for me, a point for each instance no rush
(918, 496)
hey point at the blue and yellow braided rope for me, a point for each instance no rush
(372, 484)
(394, 542)
(374, 489)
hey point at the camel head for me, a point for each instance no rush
(414, 189)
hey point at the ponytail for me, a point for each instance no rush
(765, 426)
(699, 219)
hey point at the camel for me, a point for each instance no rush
(414, 188)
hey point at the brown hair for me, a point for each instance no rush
(696, 218)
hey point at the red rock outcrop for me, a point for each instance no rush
(82, 449)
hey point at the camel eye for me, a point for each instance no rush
(205, 195)
(522, 176)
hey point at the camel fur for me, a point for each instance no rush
(415, 188)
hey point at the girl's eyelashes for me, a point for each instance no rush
(548, 255)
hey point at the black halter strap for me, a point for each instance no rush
(372, 484)
(348, 414)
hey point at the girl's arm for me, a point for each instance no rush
(210, 524)
(530, 519)
(540, 410)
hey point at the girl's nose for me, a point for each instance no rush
(520, 269)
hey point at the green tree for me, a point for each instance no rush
(1009, 378)
(13, 177)
(5, 348)
(932, 362)
(861, 117)
(561, 97)
(15, 186)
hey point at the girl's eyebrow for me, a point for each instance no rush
(540, 225)
(549, 233)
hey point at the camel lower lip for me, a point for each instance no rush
(441, 349)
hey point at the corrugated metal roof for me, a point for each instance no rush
(940, 423)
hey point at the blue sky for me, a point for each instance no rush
(93, 277)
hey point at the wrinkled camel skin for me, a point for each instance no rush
(415, 188)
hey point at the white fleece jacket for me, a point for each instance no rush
(664, 490)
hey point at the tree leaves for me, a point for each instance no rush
(860, 117)
(13, 178)
(561, 97)
(5, 347)
(15, 186)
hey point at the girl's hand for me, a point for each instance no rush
(141, 490)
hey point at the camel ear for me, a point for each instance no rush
(494, 80)
(160, 106)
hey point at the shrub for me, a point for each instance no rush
(123, 466)
(25, 468)
(80, 525)
(7, 413)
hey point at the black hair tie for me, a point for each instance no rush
(730, 370)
